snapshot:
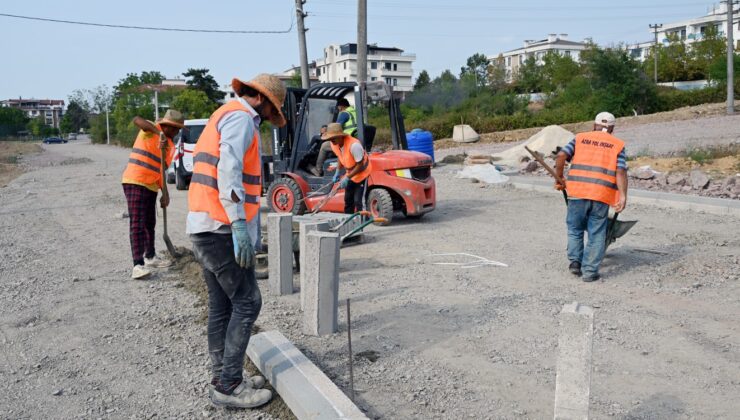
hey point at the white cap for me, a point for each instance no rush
(606, 119)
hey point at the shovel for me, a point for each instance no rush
(165, 193)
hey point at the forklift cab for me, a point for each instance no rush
(306, 110)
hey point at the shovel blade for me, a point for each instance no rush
(617, 229)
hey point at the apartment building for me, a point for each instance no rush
(51, 110)
(290, 73)
(692, 30)
(558, 43)
(389, 64)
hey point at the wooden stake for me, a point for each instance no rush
(349, 341)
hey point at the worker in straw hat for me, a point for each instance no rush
(223, 223)
(141, 181)
(352, 156)
(597, 179)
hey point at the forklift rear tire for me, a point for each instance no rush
(285, 196)
(380, 204)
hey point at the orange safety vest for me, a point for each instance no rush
(593, 168)
(344, 154)
(203, 193)
(144, 162)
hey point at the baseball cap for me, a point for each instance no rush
(606, 119)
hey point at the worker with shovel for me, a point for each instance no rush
(141, 181)
(354, 158)
(596, 180)
(223, 223)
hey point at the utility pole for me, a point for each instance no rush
(156, 105)
(107, 125)
(655, 50)
(362, 48)
(305, 80)
(730, 59)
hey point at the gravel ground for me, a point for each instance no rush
(80, 339)
(664, 138)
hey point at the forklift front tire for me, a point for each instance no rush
(285, 196)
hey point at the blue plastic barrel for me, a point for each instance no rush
(421, 141)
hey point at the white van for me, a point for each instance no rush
(184, 152)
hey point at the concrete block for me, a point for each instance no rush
(280, 253)
(305, 389)
(333, 219)
(573, 380)
(304, 228)
(322, 283)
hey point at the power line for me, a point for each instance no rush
(147, 28)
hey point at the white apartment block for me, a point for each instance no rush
(387, 64)
(560, 44)
(51, 110)
(692, 30)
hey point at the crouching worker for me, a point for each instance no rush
(352, 156)
(141, 181)
(223, 223)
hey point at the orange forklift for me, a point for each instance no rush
(401, 181)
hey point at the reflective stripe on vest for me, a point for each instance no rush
(593, 170)
(203, 195)
(350, 126)
(144, 162)
(344, 154)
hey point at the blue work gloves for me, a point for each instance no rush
(343, 183)
(336, 176)
(243, 246)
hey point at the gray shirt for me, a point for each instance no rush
(237, 131)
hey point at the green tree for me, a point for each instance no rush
(295, 81)
(529, 76)
(705, 52)
(422, 80)
(193, 104)
(718, 69)
(74, 119)
(496, 74)
(199, 79)
(12, 120)
(477, 67)
(618, 83)
(557, 71)
(134, 80)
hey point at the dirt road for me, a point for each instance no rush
(432, 341)
(79, 338)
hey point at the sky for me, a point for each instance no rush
(50, 60)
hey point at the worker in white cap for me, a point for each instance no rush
(597, 179)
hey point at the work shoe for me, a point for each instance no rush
(254, 382)
(241, 397)
(140, 272)
(316, 171)
(575, 268)
(156, 262)
(592, 277)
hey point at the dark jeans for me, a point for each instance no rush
(354, 197)
(590, 216)
(234, 302)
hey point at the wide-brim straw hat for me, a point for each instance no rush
(272, 88)
(172, 117)
(333, 131)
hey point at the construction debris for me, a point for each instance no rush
(464, 133)
(483, 173)
(546, 142)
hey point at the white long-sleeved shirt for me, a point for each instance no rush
(237, 131)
